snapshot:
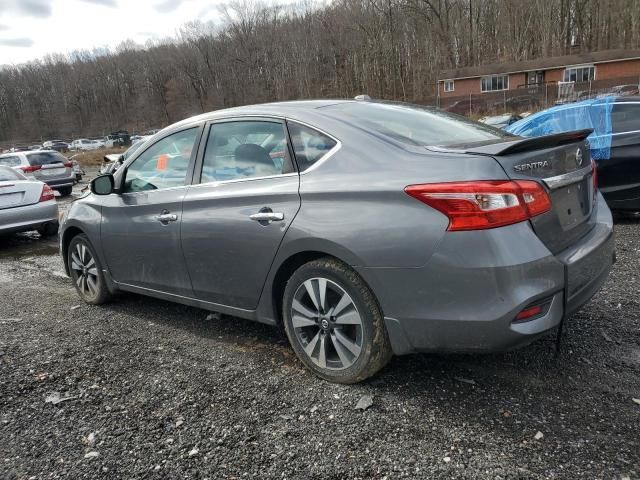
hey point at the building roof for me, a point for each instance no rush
(541, 64)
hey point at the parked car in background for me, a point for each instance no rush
(117, 139)
(365, 228)
(501, 121)
(139, 138)
(84, 144)
(35, 147)
(57, 145)
(26, 204)
(614, 141)
(621, 91)
(77, 169)
(113, 161)
(47, 166)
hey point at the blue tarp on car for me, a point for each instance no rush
(594, 114)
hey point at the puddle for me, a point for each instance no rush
(27, 244)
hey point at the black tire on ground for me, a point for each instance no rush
(48, 229)
(64, 191)
(86, 272)
(338, 336)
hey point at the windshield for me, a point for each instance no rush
(45, 158)
(414, 124)
(8, 174)
(131, 150)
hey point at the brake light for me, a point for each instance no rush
(594, 174)
(29, 168)
(484, 204)
(47, 194)
(68, 164)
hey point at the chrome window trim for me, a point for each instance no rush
(567, 178)
(216, 183)
(157, 190)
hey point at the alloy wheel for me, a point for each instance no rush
(86, 272)
(327, 324)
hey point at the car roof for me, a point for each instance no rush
(295, 109)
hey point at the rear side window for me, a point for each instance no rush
(625, 117)
(237, 150)
(12, 161)
(45, 158)
(309, 145)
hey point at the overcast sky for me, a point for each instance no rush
(30, 29)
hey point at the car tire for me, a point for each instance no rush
(65, 191)
(48, 229)
(86, 271)
(334, 323)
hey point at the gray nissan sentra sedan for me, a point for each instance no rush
(367, 229)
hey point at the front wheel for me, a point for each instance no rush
(334, 323)
(86, 271)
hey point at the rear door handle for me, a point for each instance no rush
(267, 217)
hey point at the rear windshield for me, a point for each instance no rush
(45, 158)
(414, 124)
(12, 161)
(8, 174)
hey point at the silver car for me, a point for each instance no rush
(48, 166)
(367, 229)
(26, 204)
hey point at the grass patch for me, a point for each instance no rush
(93, 157)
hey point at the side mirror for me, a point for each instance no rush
(102, 185)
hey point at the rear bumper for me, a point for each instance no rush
(465, 299)
(29, 217)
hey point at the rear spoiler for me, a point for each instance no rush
(521, 144)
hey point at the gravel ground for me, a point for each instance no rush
(142, 388)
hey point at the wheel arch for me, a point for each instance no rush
(270, 308)
(68, 235)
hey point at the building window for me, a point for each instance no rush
(494, 83)
(580, 74)
(449, 85)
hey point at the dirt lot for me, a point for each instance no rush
(149, 389)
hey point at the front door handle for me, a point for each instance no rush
(267, 217)
(166, 217)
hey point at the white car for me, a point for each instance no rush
(26, 204)
(85, 144)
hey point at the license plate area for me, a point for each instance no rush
(573, 203)
(11, 199)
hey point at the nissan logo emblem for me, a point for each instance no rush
(579, 157)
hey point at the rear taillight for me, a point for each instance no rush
(47, 194)
(68, 164)
(29, 168)
(484, 204)
(594, 175)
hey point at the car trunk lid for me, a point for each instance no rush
(562, 163)
(19, 193)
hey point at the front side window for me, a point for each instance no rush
(163, 165)
(309, 145)
(580, 74)
(449, 86)
(12, 161)
(625, 117)
(245, 149)
(494, 83)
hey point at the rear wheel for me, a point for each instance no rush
(64, 191)
(334, 323)
(48, 229)
(86, 271)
